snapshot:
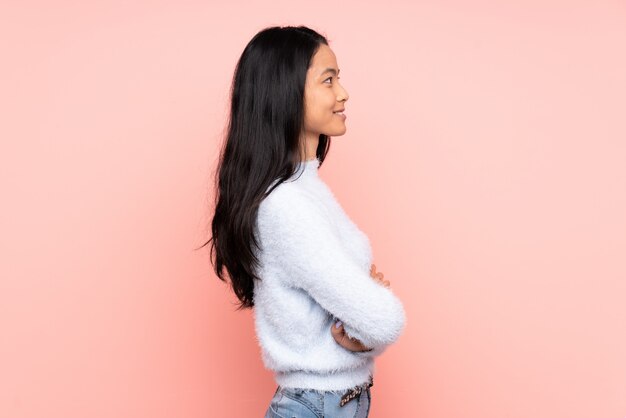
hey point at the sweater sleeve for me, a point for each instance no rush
(308, 248)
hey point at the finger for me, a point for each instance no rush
(387, 283)
(335, 328)
(373, 269)
(351, 343)
(380, 275)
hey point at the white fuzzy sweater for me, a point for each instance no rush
(315, 267)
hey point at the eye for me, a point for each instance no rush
(329, 78)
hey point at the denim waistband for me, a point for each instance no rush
(362, 386)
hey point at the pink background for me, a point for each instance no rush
(484, 158)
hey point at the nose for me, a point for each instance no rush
(343, 95)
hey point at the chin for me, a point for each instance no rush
(337, 132)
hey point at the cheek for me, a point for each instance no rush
(319, 106)
(330, 100)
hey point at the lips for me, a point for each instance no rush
(340, 114)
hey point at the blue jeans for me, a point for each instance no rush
(310, 403)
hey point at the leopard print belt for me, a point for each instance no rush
(356, 391)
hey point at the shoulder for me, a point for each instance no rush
(290, 203)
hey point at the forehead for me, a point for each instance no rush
(324, 58)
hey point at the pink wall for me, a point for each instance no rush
(484, 158)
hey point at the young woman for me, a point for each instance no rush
(322, 312)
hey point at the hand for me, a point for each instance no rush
(352, 344)
(378, 276)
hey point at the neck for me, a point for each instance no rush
(309, 151)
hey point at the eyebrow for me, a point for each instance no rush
(330, 70)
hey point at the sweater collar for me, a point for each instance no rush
(308, 168)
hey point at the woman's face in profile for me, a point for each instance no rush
(324, 96)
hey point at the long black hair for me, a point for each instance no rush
(263, 144)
